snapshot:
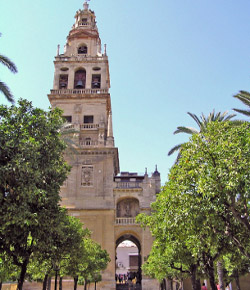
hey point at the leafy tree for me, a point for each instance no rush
(8, 272)
(95, 259)
(65, 242)
(202, 123)
(164, 262)
(205, 204)
(32, 169)
(244, 97)
(183, 235)
(3, 87)
(236, 265)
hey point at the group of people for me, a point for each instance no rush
(129, 278)
(204, 287)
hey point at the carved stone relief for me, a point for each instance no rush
(78, 108)
(87, 176)
(128, 208)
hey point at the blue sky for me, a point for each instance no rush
(167, 58)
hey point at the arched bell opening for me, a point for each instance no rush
(80, 79)
(82, 49)
(128, 263)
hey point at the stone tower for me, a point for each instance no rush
(104, 200)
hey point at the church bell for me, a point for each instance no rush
(79, 85)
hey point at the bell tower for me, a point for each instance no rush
(81, 89)
(105, 201)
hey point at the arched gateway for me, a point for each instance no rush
(104, 200)
(128, 262)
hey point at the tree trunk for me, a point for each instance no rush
(22, 274)
(45, 280)
(210, 272)
(85, 284)
(220, 274)
(237, 280)
(198, 284)
(169, 284)
(60, 283)
(164, 284)
(0, 285)
(193, 270)
(56, 281)
(49, 283)
(75, 282)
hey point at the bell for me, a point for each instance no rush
(63, 85)
(79, 85)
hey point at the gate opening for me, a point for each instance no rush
(128, 263)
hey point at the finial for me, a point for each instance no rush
(146, 171)
(86, 5)
(105, 49)
(58, 49)
(156, 167)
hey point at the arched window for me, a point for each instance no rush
(63, 82)
(96, 82)
(83, 49)
(80, 79)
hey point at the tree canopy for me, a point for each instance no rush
(32, 169)
(203, 209)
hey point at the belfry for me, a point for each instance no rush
(105, 200)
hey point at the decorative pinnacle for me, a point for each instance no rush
(86, 5)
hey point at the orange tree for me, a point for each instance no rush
(32, 169)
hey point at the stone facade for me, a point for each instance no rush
(105, 201)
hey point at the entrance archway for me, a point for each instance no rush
(128, 263)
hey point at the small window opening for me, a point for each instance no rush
(68, 119)
(83, 49)
(88, 119)
(80, 79)
(63, 82)
(84, 21)
(88, 141)
(96, 81)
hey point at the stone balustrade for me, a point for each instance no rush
(78, 127)
(83, 57)
(88, 143)
(70, 127)
(125, 221)
(89, 126)
(79, 91)
(128, 184)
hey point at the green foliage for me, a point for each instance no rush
(8, 272)
(244, 97)
(202, 123)
(32, 169)
(93, 260)
(3, 87)
(202, 212)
